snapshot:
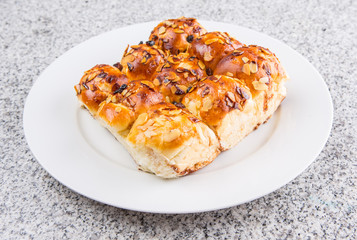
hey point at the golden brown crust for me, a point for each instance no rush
(212, 47)
(256, 66)
(175, 35)
(215, 96)
(177, 76)
(98, 83)
(141, 62)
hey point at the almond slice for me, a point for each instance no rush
(162, 30)
(171, 135)
(259, 86)
(207, 56)
(156, 82)
(231, 96)
(246, 69)
(201, 65)
(148, 83)
(142, 118)
(207, 104)
(209, 41)
(178, 31)
(264, 80)
(253, 67)
(229, 74)
(245, 59)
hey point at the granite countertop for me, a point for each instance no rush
(321, 203)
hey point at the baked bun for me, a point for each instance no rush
(176, 101)
(97, 84)
(177, 76)
(141, 62)
(175, 35)
(171, 142)
(261, 70)
(225, 105)
(212, 47)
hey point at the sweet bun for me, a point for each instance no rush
(212, 47)
(176, 35)
(176, 101)
(177, 76)
(141, 62)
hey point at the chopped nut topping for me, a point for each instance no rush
(259, 86)
(144, 60)
(173, 89)
(78, 89)
(150, 133)
(185, 74)
(130, 58)
(168, 23)
(222, 42)
(142, 118)
(171, 135)
(231, 96)
(184, 65)
(175, 112)
(205, 91)
(229, 74)
(148, 83)
(150, 43)
(209, 41)
(265, 50)
(201, 64)
(207, 104)
(264, 80)
(246, 69)
(171, 75)
(130, 66)
(178, 31)
(182, 87)
(162, 30)
(253, 67)
(167, 65)
(156, 82)
(207, 56)
(237, 52)
(229, 102)
(85, 86)
(245, 59)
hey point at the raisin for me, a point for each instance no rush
(189, 38)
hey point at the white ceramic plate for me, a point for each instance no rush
(85, 157)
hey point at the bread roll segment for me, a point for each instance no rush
(176, 101)
(225, 105)
(171, 142)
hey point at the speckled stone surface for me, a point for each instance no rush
(319, 204)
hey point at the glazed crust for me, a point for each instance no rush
(97, 84)
(212, 47)
(175, 35)
(177, 76)
(178, 100)
(258, 67)
(215, 96)
(141, 62)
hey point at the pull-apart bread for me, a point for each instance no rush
(179, 99)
